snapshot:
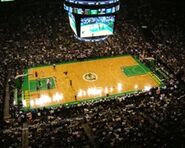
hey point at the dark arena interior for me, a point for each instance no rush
(36, 33)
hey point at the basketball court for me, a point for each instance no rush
(87, 80)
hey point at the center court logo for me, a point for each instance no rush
(90, 76)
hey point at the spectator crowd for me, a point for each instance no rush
(35, 35)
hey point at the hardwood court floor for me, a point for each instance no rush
(90, 79)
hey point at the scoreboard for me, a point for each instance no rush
(6, 0)
(92, 20)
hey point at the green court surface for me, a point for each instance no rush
(33, 84)
(135, 70)
(59, 93)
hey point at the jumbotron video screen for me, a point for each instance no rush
(97, 26)
(72, 22)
